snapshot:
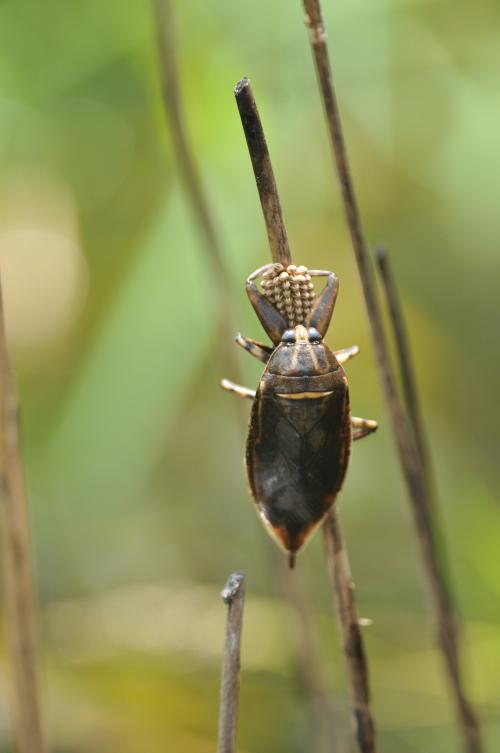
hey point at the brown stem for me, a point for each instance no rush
(263, 170)
(233, 595)
(174, 111)
(410, 392)
(324, 734)
(406, 445)
(190, 174)
(340, 576)
(352, 639)
(18, 560)
(412, 404)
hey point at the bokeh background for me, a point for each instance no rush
(134, 455)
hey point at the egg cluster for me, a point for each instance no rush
(290, 290)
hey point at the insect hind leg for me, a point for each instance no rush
(238, 389)
(361, 427)
(345, 354)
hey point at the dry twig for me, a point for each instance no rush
(233, 595)
(338, 564)
(324, 733)
(410, 392)
(19, 582)
(190, 174)
(357, 665)
(412, 403)
(263, 170)
(174, 111)
(407, 448)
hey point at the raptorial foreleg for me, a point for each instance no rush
(257, 350)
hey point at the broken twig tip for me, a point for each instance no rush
(233, 585)
(243, 83)
(233, 595)
(263, 172)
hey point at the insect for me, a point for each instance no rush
(301, 429)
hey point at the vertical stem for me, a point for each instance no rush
(233, 595)
(174, 111)
(407, 449)
(410, 392)
(263, 171)
(412, 403)
(336, 551)
(19, 581)
(352, 639)
(189, 170)
(323, 734)
(190, 174)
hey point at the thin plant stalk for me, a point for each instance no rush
(233, 595)
(263, 171)
(323, 734)
(412, 404)
(350, 630)
(407, 372)
(175, 116)
(18, 564)
(409, 456)
(337, 558)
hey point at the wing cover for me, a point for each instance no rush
(297, 456)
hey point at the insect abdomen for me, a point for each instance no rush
(297, 454)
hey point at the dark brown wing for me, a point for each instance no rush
(297, 455)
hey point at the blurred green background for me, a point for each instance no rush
(134, 455)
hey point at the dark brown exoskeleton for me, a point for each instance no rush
(301, 428)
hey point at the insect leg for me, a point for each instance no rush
(237, 388)
(323, 308)
(269, 317)
(256, 349)
(361, 427)
(346, 353)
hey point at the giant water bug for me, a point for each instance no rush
(301, 429)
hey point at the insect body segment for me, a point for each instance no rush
(300, 431)
(299, 438)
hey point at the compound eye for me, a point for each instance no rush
(313, 334)
(288, 337)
